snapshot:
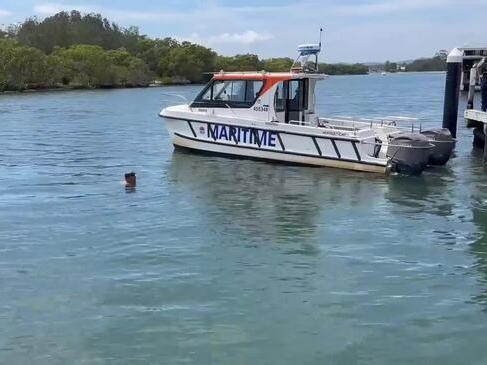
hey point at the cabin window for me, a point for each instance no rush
(233, 90)
(280, 98)
(218, 92)
(253, 89)
(234, 93)
(296, 95)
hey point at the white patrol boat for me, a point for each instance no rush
(272, 116)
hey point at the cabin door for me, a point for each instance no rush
(290, 101)
(296, 101)
(280, 101)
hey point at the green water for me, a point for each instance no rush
(224, 261)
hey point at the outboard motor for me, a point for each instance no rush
(408, 153)
(443, 144)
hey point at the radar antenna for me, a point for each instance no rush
(307, 60)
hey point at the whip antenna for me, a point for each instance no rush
(321, 31)
(317, 64)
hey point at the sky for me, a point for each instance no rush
(354, 30)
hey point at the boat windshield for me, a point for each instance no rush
(234, 93)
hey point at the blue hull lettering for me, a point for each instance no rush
(212, 132)
(253, 136)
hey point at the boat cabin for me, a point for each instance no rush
(280, 97)
(284, 97)
(273, 116)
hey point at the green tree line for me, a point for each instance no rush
(343, 69)
(75, 50)
(436, 63)
(83, 66)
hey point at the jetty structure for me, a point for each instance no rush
(472, 54)
(462, 74)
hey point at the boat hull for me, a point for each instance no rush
(275, 145)
(181, 141)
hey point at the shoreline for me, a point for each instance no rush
(61, 89)
(157, 84)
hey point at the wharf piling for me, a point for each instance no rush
(478, 118)
(452, 90)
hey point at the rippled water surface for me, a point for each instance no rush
(225, 261)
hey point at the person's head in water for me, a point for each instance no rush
(130, 180)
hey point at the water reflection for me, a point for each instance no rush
(479, 249)
(270, 201)
(247, 196)
(429, 193)
(478, 202)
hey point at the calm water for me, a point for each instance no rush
(219, 261)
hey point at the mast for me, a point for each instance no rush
(321, 31)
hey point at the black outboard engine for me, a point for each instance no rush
(408, 153)
(443, 144)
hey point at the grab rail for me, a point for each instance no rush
(428, 146)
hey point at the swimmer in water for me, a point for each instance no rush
(130, 180)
